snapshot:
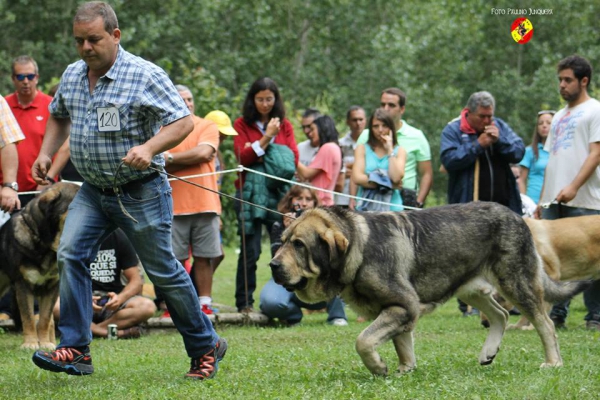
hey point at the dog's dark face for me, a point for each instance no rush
(46, 214)
(60, 204)
(32, 236)
(311, 253)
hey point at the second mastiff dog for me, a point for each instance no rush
(569, 250)
(28, 244)
(395, 267)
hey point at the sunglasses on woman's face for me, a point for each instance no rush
(21, 77)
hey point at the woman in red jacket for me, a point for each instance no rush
(263, 123)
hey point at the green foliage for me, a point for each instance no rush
(332, 53)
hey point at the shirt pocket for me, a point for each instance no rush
(112, 117)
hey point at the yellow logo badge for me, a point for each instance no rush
(521, 30)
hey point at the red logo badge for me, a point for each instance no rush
(521, 30)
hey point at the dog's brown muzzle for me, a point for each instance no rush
(281, 278)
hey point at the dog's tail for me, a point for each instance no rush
(556, 292)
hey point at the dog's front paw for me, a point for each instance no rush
(379, 371)
(47, 346)
(516, 326)
(30, 345)
(404, 369)
(552, 365)
(486, 358)
(376, 365)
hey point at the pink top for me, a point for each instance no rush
(329, 161)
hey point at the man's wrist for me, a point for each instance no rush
(12, 185)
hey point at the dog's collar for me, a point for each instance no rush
(35, 238)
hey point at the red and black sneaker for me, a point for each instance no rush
(206, 366)
(65, 359)
(207, 309)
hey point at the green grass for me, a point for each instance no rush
(317, 361)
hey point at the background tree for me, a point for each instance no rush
(330, 54)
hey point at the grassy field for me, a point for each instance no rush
(317, 361)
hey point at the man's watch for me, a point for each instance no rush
(13, 185)
(169, 157)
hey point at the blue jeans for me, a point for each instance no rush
(591, 297)
(92, 216)
(277, 302)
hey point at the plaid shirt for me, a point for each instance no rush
(126, 109)
(10, 132)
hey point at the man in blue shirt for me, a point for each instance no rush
(477, 149)
(121, 112)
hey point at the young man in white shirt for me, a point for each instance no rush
(572, 179)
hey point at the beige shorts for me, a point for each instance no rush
(200, 231)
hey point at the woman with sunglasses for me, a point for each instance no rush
(534, 162)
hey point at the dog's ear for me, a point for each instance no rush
(47, 197)
(338, 244)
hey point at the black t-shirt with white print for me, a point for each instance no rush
(115, 255)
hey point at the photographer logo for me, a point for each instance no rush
(521, 30)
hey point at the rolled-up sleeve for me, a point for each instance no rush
(10, 132)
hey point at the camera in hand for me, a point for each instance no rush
(103, 300)
(297, 209)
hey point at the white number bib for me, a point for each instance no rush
(108, 119)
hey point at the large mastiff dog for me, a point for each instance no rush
(395, 267)
(28, 244)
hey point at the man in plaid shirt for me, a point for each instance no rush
(121, 112)
(10, 133)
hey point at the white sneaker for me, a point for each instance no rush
(338, 322)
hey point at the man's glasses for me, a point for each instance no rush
(21, 77)
(306, 128)
(551, 112)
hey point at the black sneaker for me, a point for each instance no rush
(206, 367)
(65, 359)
